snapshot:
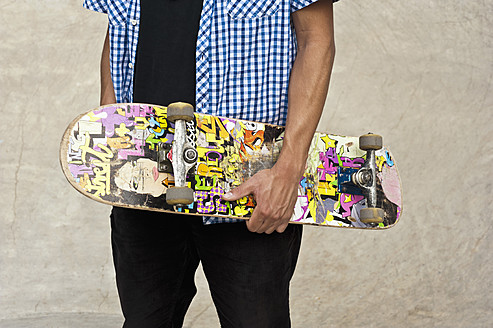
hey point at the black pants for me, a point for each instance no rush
(156, 256)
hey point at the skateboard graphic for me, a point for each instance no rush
(174, 160)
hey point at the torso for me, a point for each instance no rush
(165, 60)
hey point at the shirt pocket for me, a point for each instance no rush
(117, 12)
(251, 9)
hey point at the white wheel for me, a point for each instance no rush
(370, 141)
(371, 215)
(179, 196)
(180, 111)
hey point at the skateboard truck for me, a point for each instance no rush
(182, 156)
(164, 154)
(363, 181)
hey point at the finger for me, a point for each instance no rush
(266, 227)
(261, 224)
(282, 227)
(270, 230)
(255, 222)
(269, 227)
(241, 191)
(254, 225)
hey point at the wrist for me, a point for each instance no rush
(291, 167)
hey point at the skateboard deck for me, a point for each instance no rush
(113, 154)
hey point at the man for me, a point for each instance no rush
(236, 58)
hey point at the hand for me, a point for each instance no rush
(275, 191)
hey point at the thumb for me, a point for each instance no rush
(237, 193)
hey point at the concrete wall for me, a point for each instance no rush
(417, 72)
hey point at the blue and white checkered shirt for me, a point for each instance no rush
(245, 51)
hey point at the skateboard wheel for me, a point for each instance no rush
(179, 196)
(370, 141)
(180, 111)
(371, 215)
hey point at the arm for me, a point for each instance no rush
(107, 91)
(275, 190)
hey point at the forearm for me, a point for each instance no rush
(276, 189)
(107, 91)
(309, 83)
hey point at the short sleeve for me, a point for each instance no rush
(300, 4)
(100, 6)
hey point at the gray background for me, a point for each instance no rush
(417, 72)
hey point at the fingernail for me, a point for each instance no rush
(228, 195)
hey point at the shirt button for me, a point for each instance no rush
(133, 22)
(131, 65)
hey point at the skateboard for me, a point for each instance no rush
(171, 159)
